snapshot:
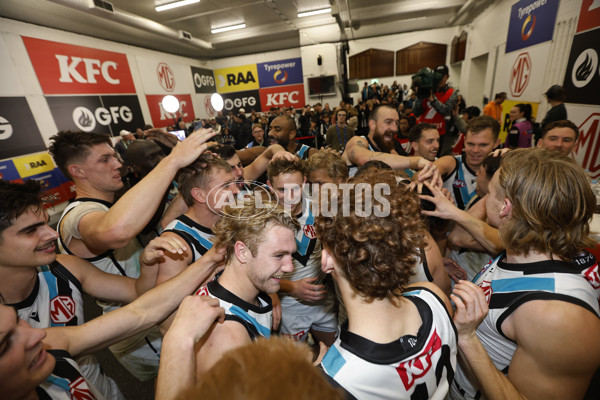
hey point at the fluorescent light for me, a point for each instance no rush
(314, 12)
(175, 5)
(228, 28)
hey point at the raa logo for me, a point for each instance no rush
(36, 164)
(233, 79)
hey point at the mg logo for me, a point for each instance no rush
(166, 77)
(62, 309)
(520, 73)
(587, 150)
(6, 129)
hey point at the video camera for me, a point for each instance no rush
(425, 80)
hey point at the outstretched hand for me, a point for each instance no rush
(157, 247)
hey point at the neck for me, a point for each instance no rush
(234, 279)
(381, 321)
(371, 137)
(16, 283)
(292, 145)
(86, 191)
(202, 215)
(530, 257)
(342, 124)
(554, 103)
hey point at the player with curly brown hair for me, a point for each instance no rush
(399, 341)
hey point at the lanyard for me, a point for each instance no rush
(337, 127)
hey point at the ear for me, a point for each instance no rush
(415, 146)
(293, 133)
(269, 184)
(327, 263)
(304, 181)
(372, 125)
(506, 208)
(242, 253)
(199, 195)
(76, 171)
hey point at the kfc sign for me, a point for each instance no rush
(285, 96)
(520, 73)
(161, 118)
(67, 69)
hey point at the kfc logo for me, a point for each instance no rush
(277, 99)
(287, 96)
(592, 276)
(62, 309)
(80, 390)
(520, 73)
(410, 371)
(166, 77)
(203, 291)
(92, 68)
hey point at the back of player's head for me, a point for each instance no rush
(483, 122)
(491, 164)
(376, 252)
(414, 134)
(241, 374)
(565, 123)
(333, 165)
(284, 166)
(198, 175)
(225, 151)
(552, 203)
(249, 223)
(69, 147)
(16, 199)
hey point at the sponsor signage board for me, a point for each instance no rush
(204, 80)
(524, 74)
(100, 114)
(19, 133)
(236, 79)
(246, 100)
(161, 118)
(68, 69)
(531, 22)
(506, 106)
(582, 79)
(587, 149)
(589, 16)
(280, 73)
(284, 96)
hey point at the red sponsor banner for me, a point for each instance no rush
(587, 150)
(589, 16)
(162, 118)
(282, 96)
(68, 69)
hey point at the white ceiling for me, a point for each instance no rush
(270, 24)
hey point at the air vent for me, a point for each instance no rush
(104, 5)
(183, 35)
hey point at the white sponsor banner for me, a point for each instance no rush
(10, 85)
(521, 72)
(164, 76)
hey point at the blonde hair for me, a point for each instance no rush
(247, 224)
(266, 369)
(552, 203)
(333, 164)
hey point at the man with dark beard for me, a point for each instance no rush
(379, 145)
(283, 131)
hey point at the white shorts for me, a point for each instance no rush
(298, 319)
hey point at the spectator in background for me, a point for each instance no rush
(556, 97)
(339, 134)
(401, 140)
(126, 139)
(559, 136)
(494, 107)
(258, 133)
(460, 101)
(521, 131)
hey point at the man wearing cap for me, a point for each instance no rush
(126, 139)
(556, 97)
(437, 108)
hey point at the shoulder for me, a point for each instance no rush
(446, 164)
(435, 290)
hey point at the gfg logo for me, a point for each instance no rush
(203, 80)
(6, 129)
(239, 102)
(86, 120)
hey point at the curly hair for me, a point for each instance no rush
(241, 374)
(16, 199)
(376, 254)
(198, 174)
(248, 224)
(552, 203)
(283, 166)
(70, 147)
(333, 165)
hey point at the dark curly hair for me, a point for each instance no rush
(376, 254)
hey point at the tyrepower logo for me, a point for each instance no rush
(67, 69)
(286, 96)
(519, 75)
(166, 77)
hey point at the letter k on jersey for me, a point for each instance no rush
(67, 69)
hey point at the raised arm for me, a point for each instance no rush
(357, 152)
(128, 216)
(146, 311)
(259, 165)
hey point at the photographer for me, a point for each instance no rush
(435, 107)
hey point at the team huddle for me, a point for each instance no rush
(196, 289)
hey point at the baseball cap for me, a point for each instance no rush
(242, 111)
(555, 91)
(124, 132)
(442, 69)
